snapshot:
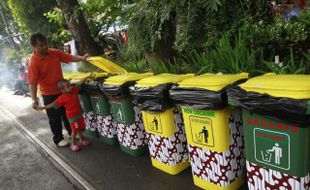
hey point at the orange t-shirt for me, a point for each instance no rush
(46, 71)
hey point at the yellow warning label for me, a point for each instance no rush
(161, 124)
(154, 123)
(208, 129)
(201, 130)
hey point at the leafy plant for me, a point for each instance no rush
(290, 66)
(231, 57)
(138, 66)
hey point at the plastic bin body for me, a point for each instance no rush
(167, 140)
(122, 109)
(107, 129)
(216, 148)
(100, 105)
(129, 126)
(213, 130)
(275, 111)
(105, 126)
(85, 102)
(277, 153)
(90, 119)
(132, 138)
(88, 115)
(127, 118)
(165, 128)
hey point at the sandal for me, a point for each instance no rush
(84, 143)
(75, 148)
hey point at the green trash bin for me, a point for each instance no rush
(276, 117)
(122, 110)
(88, 115)
(127, 117)
(99, 105)
(85, 102)
(105, 125)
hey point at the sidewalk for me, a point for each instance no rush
(104, 166)
(22, 166)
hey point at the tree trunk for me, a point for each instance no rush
(78, 27)
(8, 29)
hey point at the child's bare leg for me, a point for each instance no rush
(80, 135)
(74, 146)
(73, 135)
(83, 142)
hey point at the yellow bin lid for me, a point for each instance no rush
(289, 86)
(162, 79)
(75, 76)
(121, 79)
(106, 65)
(213, 82)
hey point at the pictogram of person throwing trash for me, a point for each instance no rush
(155, 123)
(98, 106)
(277, 153)
(205, 134)
(120, 115)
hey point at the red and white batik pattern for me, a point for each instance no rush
(132, 136)
(172, 150)
(261, 178)
(106, 127)
(221, 168)
(90, 121)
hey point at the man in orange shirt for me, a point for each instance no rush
(44, 70)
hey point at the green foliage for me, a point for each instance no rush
(189, 25)
(12, 26)
(150, 25)
(137, 65)
(55, 16)
(290, 66)
(229, 56)
(278, 34)
(62, 35)
(100, 14)
(30, 15)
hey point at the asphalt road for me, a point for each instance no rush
(22, 166)
(104, 166)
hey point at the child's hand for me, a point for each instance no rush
(92, 75)
(40, 108)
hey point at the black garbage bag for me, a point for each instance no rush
(117, 91)
(198, 98)
(283, 109)
(154, 99)
(93, 87)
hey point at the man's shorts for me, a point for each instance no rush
(79, 124)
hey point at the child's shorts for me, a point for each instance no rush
(79, 124)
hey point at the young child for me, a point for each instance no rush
(70, 100)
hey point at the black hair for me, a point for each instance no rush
(60, 82)
(37, 37)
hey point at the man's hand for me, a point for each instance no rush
(35, 104)
(85, 56)
(76, 58)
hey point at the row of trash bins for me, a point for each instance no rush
(228, 128)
